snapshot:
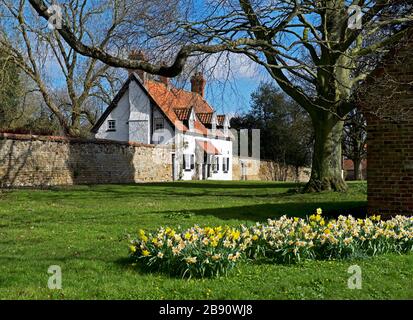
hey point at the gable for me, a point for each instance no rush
(123, 91)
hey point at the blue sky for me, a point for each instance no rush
(227, 94)
(232, 98)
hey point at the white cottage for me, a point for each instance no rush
(155, 112)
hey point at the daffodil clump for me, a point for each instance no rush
(209, 251)
(196, 252)
(290, 240)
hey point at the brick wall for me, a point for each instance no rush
(43, 161)
(388, 105)
(267, 170)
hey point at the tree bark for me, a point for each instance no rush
(357, 169)
(326, 173)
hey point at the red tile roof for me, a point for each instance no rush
(183, 113)
(205, 118)
(177, 103)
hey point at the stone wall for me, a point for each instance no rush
(267, 170)
(27, 161)
(390, 132)
(43, 161)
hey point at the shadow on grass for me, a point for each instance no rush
(130, 264)
(243, 189)
(261, 212)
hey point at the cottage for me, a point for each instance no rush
(155, 112)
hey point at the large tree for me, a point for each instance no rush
(311, 48)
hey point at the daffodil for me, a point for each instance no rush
(190, 260)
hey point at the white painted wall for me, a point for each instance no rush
(121, 115)
(224, 146)
(139, 116)
(168, 131)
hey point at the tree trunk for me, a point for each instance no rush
(326, 173)
(357, 169)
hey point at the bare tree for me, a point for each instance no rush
(306, 46)
(354, 140)
(47, 59)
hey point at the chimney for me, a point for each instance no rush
(164, 80)
(198, 83)
(138, 55)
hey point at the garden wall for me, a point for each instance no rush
(27, 160)
(267, 170)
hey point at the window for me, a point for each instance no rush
(192, 161)
(187, 162)
(215, 164)
(225, 164)
(159, 124)
(111, 125)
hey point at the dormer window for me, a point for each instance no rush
(111, 125)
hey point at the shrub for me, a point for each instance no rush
(206, 252)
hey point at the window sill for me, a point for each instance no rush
(111, 130)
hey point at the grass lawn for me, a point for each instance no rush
(83, 228)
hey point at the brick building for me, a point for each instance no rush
(386, 98)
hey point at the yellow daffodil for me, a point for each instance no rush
(214, 243)
(235, 235)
